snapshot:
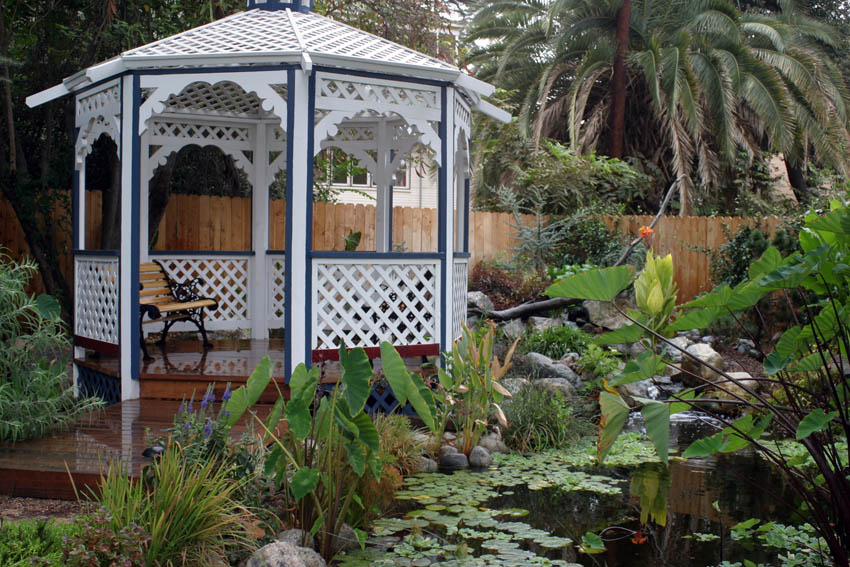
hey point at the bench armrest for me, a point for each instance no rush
(186, 291)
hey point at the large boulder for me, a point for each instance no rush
(478, 300)
(454, 461)
(282, 554)
(493, 443)
(603, 314)
(674, 353)
(345, 540)
(707, 356)
(296, 537)
(514, 385)
(480, 457)
(423, 464)
(548, 368)
(514, 328)
(538, 324)
(556, 385)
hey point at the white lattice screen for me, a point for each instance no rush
(276, 272)
(96, 298)
(366, 302)
(460, 283)
(225, 279)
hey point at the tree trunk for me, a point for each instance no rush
(797, 178)
(160, 193)
(110, 228)
(618, 83)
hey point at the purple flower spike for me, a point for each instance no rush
(226, 414)
(190, 409)
(204, 402)
(182, 407)
(188, 426)
(227, 393)
(208, 428)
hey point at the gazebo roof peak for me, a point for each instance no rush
(295, 5)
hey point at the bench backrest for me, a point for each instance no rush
(155, 288)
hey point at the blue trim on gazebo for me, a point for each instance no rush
(442, 214)
(201, 252)
(308, 240)
(385, 76)
(75, 200)
(219, 69)
(466, 215)
(368, 255)
(135, 198)
(295, 5)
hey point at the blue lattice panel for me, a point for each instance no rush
(93, 383)
(381, 400)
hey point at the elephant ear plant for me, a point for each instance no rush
(805, 395)
(331, 442)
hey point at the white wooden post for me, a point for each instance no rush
(144, 198)
(258, 289)
(297, 326)
(129, 316)
(383, 201)
(447, 277)
(80, 244)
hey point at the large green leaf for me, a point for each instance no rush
(368, 434)
(406, 386)
(615, 412)
(718, 297)
(600, 285)
(298, 417)
(356, 375)
(303, 382)
(729, 439)
(810, 363)
(625, 334)
(246, 396)
(304, 481)
(657, 417)
(768, 262)
(274, 418)
(47, 307)
(356, 458)
(678, 407)
(646, 365)
(818, 420)
(694, 319)
(834, 221)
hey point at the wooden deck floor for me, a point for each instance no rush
(41, 468)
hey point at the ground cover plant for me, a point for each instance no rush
(539, 420)
(20, 541)
(555, 342)
(806, 391)
(36, 392)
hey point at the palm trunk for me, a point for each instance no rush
(618, 82)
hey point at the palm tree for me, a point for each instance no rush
(701, 80)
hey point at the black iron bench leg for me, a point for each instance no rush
(202, 328)
(145, 356)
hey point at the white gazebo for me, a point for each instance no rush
(272, 87)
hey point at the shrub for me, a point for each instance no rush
(98, 544)
(729, 264)
(506, 286)
(188, 510)
(539, 420)
(555, 342)
(397, 442)
(24, 540)
(36, 393)
(598, 361)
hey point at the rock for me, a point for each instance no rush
(514, 385)
(345, 540)
(280, 554)
(663, 379)
(480, 301)
(513, 329)
(480, 457)
(422, 439)
(539, 324)
(603, 314)
(454, 461)
(708, 339)
(742, 380)
(705, 354)
(570, 359)
(493, 443)
(745, 343)
(548, 368)
(673, 353)
(635, 349)
(556, 385)
(296, 537)
(424, 464)
(732, 366)
(446, 450)
(449, 437)
(639, 389)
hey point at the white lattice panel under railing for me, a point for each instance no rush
(96, 310)
(366, 302)
(460, 283)
(276, 272)
(224, 278)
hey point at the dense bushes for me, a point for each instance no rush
(23, 540)
(36, 393)
(505, 285)
(539, 420)
(555, 342)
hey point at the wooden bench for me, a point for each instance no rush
(166, 301)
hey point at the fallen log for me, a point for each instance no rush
(529, 309)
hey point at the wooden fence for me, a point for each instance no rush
(193, 222)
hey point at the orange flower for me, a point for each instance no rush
(639, 538)
(646, 232)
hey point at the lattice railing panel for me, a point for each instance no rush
(224, 279)
(191, 131)
(276, 272)
(384, 94)
(225, 98)
(365, 303)
(460, 283)
(96, 309)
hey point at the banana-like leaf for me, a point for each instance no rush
(246, 396)
(615, 412)
(600, 285)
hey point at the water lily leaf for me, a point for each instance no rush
(592, 544)
(600, 285)
(615, 412)
(304, 481)
(356, 374)
(657, 417)
(816, 421)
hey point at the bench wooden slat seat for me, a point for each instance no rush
(165, 301)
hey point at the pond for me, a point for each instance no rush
(535, 510)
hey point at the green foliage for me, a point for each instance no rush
(731, 262)
(36, 393)
(600, 285)
(598, 361)
(23, 540)
(188, 509)
(802, 546)
(555, 342)
(398, 445)
(331, 444)
(540, 420)
(505, 285)
(97, 543)
(655, 291)
(469, 391)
